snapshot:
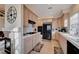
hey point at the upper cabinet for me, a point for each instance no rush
(29, 15)
(2, 22)
(26, 16)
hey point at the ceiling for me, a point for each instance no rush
(45, 10)
(48, 10)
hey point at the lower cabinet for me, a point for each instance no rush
(67, 47)
(27, 45)
(71, 49)
(31, 41)
(62, 41)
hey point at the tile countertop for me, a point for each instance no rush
(73, 39)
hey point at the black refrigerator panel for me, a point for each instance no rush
(47, 31)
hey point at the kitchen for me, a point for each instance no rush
(61, 29)
(40, 28)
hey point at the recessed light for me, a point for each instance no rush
(38, 18)
(49, 7)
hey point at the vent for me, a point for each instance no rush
(49, 7)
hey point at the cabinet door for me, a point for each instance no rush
(62, 42)
(26, 17)
(1, 23)
(30, 15)
(34, 40)
(27, 45)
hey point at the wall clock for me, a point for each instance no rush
(11, 15)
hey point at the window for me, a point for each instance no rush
(74, 24)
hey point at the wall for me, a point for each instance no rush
(18, 21)
(18, 24)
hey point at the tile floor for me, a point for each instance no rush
(48, 47)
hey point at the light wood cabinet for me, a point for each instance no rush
(29, 15)
(1, 23)
(27, 45)
(62, 42)
(26, 16)
(31, 41)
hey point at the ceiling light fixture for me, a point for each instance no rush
(49, 7)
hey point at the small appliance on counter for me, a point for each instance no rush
(63, 29)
